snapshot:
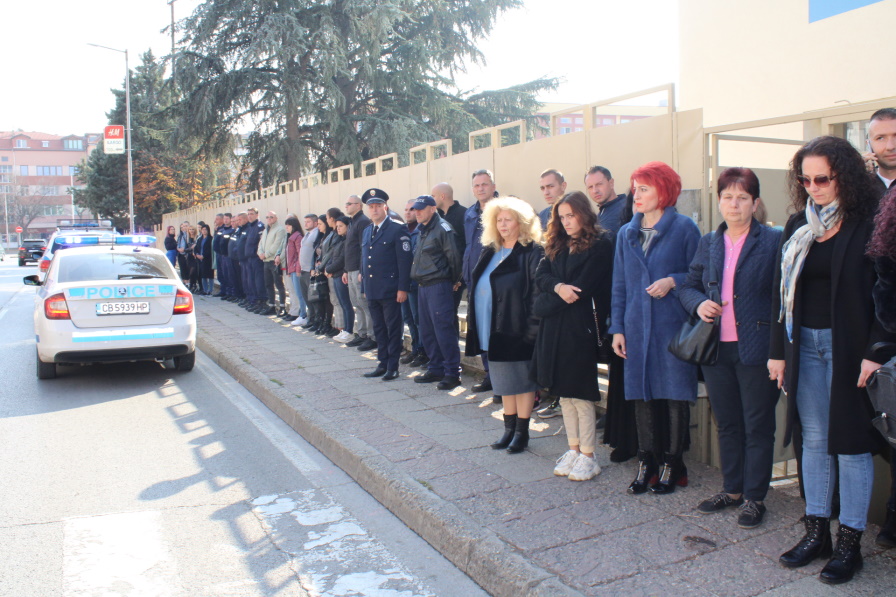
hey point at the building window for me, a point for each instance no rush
(49, 170)
(21, 144)
(5, 169)
(23, 170)
(73, 144)
(4, 178)
(54, 210)
(5, 188)
(564, 121)
(44, 143)
(73, 170)
(565, 130)
(49, 191)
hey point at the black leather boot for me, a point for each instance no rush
(509, 428)
(673, 474)
(520, 436)
(646, 473)
(816, 543)
(846, 559)
(887, 535)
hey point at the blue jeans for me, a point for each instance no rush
(208, 285)
(813, 399)
(348, 313)
(297, 289)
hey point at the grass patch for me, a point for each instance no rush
(245, 360)
(277, 381)
(425, 484)
(297, 395)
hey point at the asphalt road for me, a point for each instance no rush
(136, 480)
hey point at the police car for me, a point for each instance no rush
(111, 299)
(68, 228)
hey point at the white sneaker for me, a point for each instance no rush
(565, 463)
(299, 321)
(584, 468)
(343, 336)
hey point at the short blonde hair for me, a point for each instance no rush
(530, 225)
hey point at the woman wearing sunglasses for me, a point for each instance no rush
(823, 328)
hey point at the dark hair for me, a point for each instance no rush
(323, 219)
(204, 227)
(739, 177)
(312, 216)
(555, 173)
(662, 177)
(227, 214)
(884, 114)
(883, 239)
(854, 187)
(345, 220)
(334, 212)
(294, 222)
(557, 239)
(599, 169)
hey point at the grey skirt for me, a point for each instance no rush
(510, 377)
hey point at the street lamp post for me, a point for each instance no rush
(127, 101)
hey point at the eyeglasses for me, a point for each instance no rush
(820, 181)
(268, 217)
(350, 203)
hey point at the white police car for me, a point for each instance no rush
(107, 300)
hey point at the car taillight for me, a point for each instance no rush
(44, 265)
(21, 248)
(55, 307)
(183, 302)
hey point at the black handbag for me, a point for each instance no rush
(318, 290)
(882, 392)
(604, 343)
(697, 342)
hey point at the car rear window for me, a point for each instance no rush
(112, 266)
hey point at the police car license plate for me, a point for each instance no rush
(123, 308)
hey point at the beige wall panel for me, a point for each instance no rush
(624, 147)
(689, 143)
(517, 167)
(746, 61)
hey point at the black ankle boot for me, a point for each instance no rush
(846, 559)
(887, 535)
(673, 474)
(816, 543)
(520, 436)
(509, 428)
(646, 473)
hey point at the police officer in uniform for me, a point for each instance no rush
(220, 244)
(437, 269)
(254, 264)
(238, 244)
(385, 268)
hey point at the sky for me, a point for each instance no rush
(55, 83)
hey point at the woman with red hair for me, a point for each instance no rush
(653, 253)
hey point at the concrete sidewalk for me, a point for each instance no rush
(506, 520)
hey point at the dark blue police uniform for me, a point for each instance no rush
(385, 267)
(220, 245)
(255, 265)
(238, 240)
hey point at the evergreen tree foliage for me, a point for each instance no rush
(325, 84)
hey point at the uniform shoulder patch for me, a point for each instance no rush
(446, 226)
(406, 245)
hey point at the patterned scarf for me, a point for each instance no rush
(795, 250)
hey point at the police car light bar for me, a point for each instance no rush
(137, 240)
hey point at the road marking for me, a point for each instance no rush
(117, 554)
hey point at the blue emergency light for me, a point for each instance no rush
(136, 240)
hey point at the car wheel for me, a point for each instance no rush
(45, 370)
(21, 263)
(186, 362)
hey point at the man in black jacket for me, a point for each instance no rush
(436, 269)
(363, 339)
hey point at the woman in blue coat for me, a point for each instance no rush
(653, 253)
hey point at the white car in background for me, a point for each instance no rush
(108, 300)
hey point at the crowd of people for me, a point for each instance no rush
(606, 277)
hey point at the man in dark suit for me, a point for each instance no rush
(882, 146)
(385, 278)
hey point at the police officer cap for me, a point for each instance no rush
(424, 201)
(374, 196)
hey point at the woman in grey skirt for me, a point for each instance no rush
(501, 318)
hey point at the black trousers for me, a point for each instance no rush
(273, 276)
(388, 328)
(743, 401)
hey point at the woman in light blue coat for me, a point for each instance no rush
(653, 253)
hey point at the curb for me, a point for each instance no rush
(477, 551)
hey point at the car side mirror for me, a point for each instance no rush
(32, 281)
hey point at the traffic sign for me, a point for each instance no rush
(113, 139)
(19, 229)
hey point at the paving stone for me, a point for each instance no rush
(468, 483)
(436, 464)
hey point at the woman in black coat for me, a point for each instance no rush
(574, 283)
(203, 252)
(823, 330)
(171, 246)
(501, 316)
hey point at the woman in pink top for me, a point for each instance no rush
(743, 254)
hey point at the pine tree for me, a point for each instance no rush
(330, 83)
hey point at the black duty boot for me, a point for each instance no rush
(816, 543)
(887, 535)
(846, 559)
(520, 436)
(509, 428)
(674, 473)
(646, 473)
